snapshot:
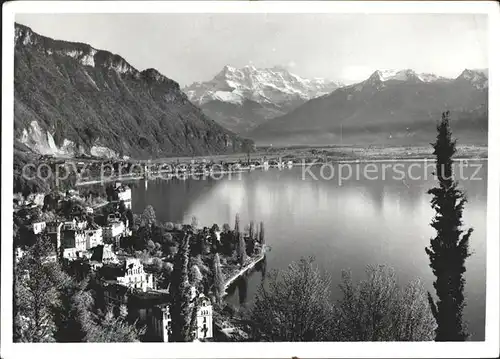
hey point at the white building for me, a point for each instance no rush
(113, 231)
(204, 318)
(108, 256)
(135, 277)
(36, 198)
(75, 224)
(19, 254)
(93, 235)
(125, 195)
(38, 227)
(74, 243)
(162, 320)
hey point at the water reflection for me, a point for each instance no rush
(242, 284)
(344, 225)
(243, 289)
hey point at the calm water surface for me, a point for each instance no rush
(344, 225)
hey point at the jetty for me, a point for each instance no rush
(248, 266)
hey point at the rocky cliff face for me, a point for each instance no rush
(71, 98)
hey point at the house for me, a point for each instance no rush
(36, 198)
(93, 235)
(103, 254)
(73, 193)
(124, 194)
(160, 320)
(29, 205)
(73, 243)
(151, 307)
(89, 210)
(112, 217)
(38, 227)
(204, 318)
(135, 276)
(130, 273)
(19, 253)
(50, 258)
(75, 224)
(113, 232)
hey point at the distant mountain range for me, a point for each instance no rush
(390, 107)
(241, 99)
(71, 98)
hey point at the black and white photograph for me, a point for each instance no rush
(281, 176)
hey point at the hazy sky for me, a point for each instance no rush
(347, 48)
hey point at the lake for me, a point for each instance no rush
(374, 217)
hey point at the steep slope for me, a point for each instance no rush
(240, 99)
(71, 98)
(388, 107)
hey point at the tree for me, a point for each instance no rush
(181, 295)
(121, 207)
(111, 193)
(242, 250)
(295, 306)
(74, 312)
(112, 330)
(450, 248)
(218, 279)
(226, 228)
(377, 310)
(262, 234)
(148, 216)
(237, 227)
(169, 226)
(130, 217)
(250, 246)
(36, 294)
(151, 246)
(251, 230)
(194, 222)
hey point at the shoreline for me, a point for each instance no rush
(209, 174)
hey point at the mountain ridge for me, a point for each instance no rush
(387, 105)
(240, 99)
(71, 98)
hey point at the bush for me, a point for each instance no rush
(294, 307)
(376, 309)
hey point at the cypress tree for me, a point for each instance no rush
(218, 279)
(237, 227)
(193, 322)
(181, 295)
(242, 250)
(261, 234)
(450, 247)
(251, 230)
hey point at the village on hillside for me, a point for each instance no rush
(129, 259)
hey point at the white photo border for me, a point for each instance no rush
(488, 348)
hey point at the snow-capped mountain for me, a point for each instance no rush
(381, 76)
(242, 98)
(477, 77)
(389, 104)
